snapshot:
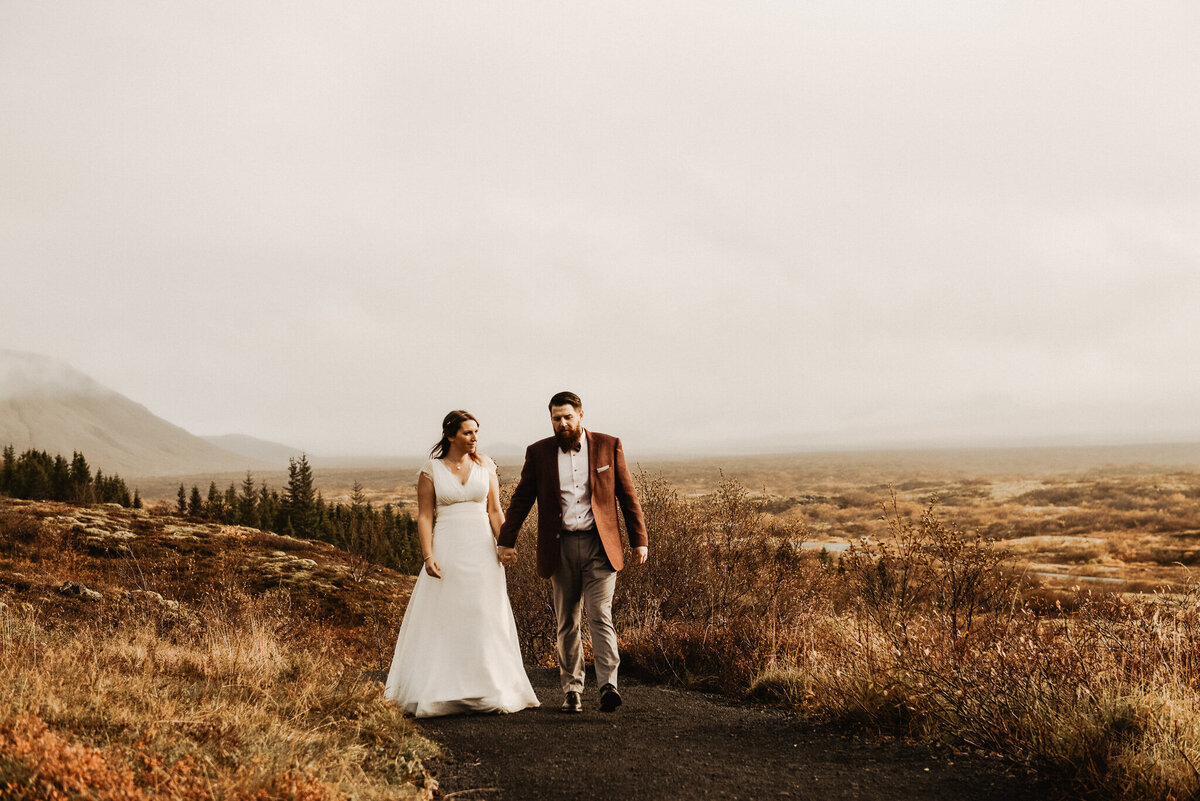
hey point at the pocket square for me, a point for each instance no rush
(602, 469)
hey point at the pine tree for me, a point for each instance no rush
(137, 499)
(247, 503)
(81, 479)
(229, 512)
(195, 503)
(32, 476)
(181, 501)
(406, 547)
(212, 507)
(7, 468)
(268, 509)
(60, 480)
(300, 505)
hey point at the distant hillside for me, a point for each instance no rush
(261, 450)
(48, 405)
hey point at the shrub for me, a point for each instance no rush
(20, 530)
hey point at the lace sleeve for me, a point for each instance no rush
(488, 463)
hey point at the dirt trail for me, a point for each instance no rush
(675, 744)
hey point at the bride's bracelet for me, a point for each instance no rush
(427, 558)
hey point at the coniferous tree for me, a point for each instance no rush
(195, 503)
(60, 480)
(407, 546)
(81, 479)
(110, 489)
(181, 505)
(268, 509)
(247, 503)
(81, 473)
(214, 502)
(229, 510)
(7, 467)
(137, 499)
(300, 505)
(351, 524)
(32, 476)
(322, 522)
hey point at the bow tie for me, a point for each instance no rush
(576, 449)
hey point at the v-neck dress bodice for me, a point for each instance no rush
(450, 488)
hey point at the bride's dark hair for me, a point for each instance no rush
(451, 423)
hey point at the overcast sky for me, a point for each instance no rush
(725, 225)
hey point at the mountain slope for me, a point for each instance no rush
(253, 448)
(47, 405)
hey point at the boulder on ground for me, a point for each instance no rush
(79, 591)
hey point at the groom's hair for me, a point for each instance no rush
(564, 398)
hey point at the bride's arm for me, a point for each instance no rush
(495, 513)
(425, 502)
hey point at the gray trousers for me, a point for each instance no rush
(584, 578)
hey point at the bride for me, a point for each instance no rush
(458, 649)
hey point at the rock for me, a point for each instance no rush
(153, 598)
(179, 533)
(101, 534)
(79, 591)
(104, 546)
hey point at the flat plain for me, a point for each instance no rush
(1112, 518)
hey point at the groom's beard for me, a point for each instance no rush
(568, 440)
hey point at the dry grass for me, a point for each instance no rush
(240, 693)
(980, 620)
(921, 629)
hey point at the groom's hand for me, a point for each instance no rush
(508, 556)
(641, 554)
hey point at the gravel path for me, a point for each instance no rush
(665, 743)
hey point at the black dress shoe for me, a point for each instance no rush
(610, 699)
(572, 702)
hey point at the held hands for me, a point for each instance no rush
(508, 556)
(432, 567)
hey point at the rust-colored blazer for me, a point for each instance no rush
(611, 486)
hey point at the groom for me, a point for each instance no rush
(578, 479)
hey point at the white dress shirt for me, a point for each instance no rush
(575, 488)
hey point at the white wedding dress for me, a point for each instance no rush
(458, 649)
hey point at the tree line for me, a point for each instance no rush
(370, 535)
(378, 535)
(38, 476)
